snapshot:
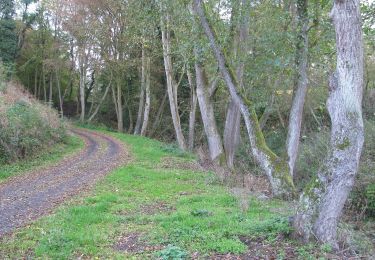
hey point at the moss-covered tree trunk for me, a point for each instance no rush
(323, 200)
(276, 169)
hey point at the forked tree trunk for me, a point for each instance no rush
(322, 202)
(215, 145)
(148, 96)
(275, 168)
(171, 84)
(138, 124)
(100, 102)
(233, 118)
(193, 110)
(301, 83)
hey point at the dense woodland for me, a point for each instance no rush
(283, 89)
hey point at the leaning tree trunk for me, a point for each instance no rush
(296, 112)
(148, 97)
(233, 119)
(275, 168)
(171, 84)
(215, 145)
(322, 202)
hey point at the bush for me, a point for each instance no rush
(26, 126)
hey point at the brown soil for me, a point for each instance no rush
(34, 194)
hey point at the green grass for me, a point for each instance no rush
(46, 157)
(202, 215)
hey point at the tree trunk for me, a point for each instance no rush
(322, 202)
(50, 102)
(232, 132)
(100, 102)
(171, 84)
(275, 168)
(159, 114)
(193, 110)
(138, 124)
(296, 112)
(61, 100)
(215, 145)
(120, 123)
(233, 119)
(82, 91)
(148, 96)
(36, 83)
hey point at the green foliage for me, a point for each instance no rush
(47, 156)
(26, 126)
(172, 253)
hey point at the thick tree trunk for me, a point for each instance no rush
(215, 145)
(171, 84)
(232, 132)
(301, 83)
(233, 119)
(275, 168)
(193, 110)
(322, 202)
(148, 96)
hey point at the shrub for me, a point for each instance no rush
(26, 126)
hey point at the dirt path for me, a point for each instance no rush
(29, 196)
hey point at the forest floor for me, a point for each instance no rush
(159, 203)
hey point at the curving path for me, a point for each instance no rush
(32, 195)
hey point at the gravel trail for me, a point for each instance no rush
(29, 196)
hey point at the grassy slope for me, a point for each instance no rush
(45, 158)
(197, 214)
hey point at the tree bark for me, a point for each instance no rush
(193, 110)
(215, 145)
(120, 123)
(82, 90)
(275, 168)
(171, 84)
(148, 96)
(138, 124)
(61, 99)
(301, 84)
(322, 201)
(233, 119)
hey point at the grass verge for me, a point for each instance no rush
(150, 209)
(44, 158)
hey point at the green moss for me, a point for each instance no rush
(344, 144)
